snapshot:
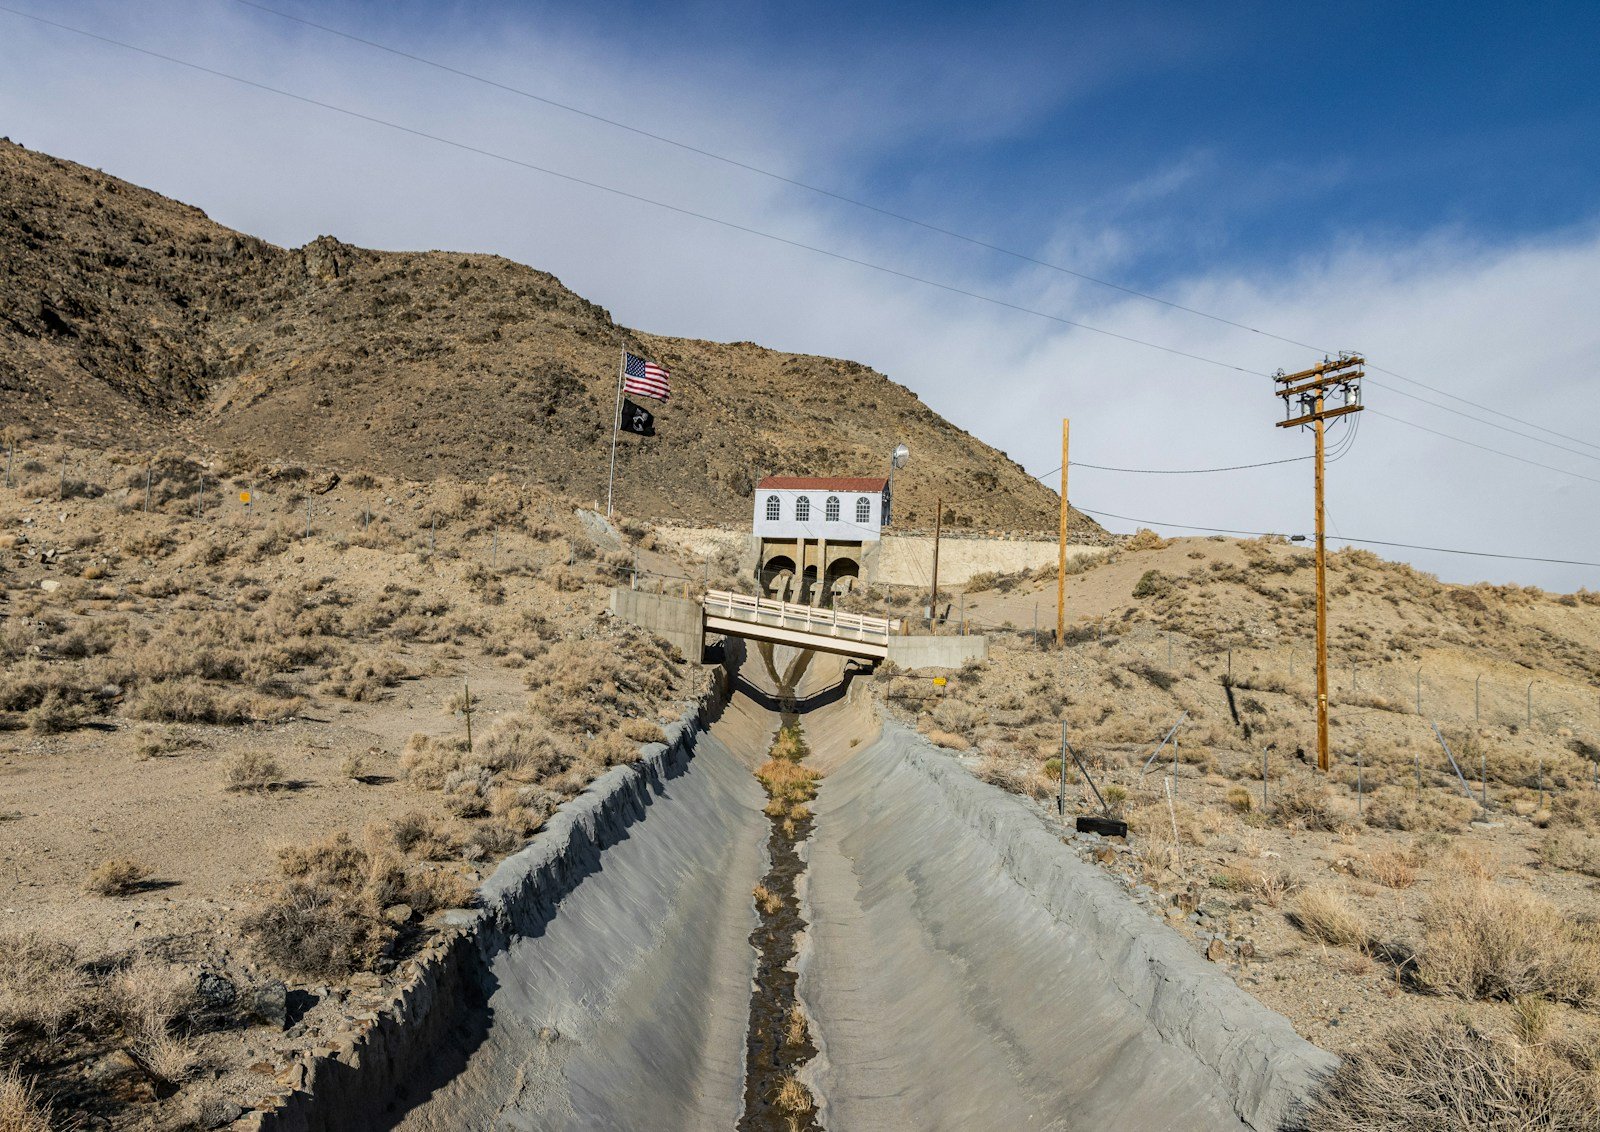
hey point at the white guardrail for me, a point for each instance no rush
(804, 618)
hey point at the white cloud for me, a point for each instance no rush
(1508, 326)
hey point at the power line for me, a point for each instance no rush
(466, 147)
(887, 212)
(1174, 471)
(794, 182)
(734, 226)
(1484, 447)
(1491, 424)
(1474, 404)
(1363, 541)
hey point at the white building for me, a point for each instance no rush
(811, 528)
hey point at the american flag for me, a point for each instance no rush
(644, 378)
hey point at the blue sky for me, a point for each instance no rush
(1415, 181)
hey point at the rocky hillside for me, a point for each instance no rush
(129, 317)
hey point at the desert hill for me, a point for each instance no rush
(129, 318)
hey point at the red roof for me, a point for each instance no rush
(824, 483)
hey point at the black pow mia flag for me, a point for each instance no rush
(635, 419)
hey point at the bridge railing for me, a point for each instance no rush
(781, 614)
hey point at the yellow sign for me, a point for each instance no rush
(244, 497)
(939, 681)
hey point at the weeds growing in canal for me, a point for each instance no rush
(779, 1040)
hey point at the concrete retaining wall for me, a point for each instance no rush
(907, 560)
(937, 652)
(967, 971)
(561, 1004)
(680, 621)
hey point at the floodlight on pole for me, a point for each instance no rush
(897, 460)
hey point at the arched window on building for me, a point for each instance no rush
(802, 509)
(863, 510)
(830, 510)
(772, 509)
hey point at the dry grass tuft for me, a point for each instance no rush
(20, 1108)
(117, 876)
(796, 1031)
(1450, 1077)
(1482, 939)
(1326, 914)
(768, 901)
(1391, 868)
(792, 1097)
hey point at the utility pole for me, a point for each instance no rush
(1308, 392)
(933, 598)
(1061, 553)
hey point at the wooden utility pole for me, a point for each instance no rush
(1061, 552)
(933, 598)
(1308, 391)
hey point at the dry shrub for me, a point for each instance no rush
(1326, 914)
(1272, 885)
(1145, 539)
(20, 1108)
(186, 701)
(1240, 800)
(167, 1055)
(1565, 849)
(1305, 801)
(252, 770)
(524, 749)
(643, 731)
(312, 930)
(335, 861)
(593, 683)
(117, 876)
(1391, 868)
(416, 834)
(1482, 939)
(1577, 809)
(427, 761)
(947, 739)
(364, 681)
(1391, 807)
(146, 999)
(430, 889)
(956, 715)
(1446, 1076)
(42, 986)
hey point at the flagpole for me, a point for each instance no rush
(616, 426)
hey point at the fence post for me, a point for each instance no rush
(433, 529)
(149, 474)
(1061, 789)
(308, 518)
(63, 475)
(1358, 785)
(1263, 779)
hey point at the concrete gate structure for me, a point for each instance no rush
(816, 537)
